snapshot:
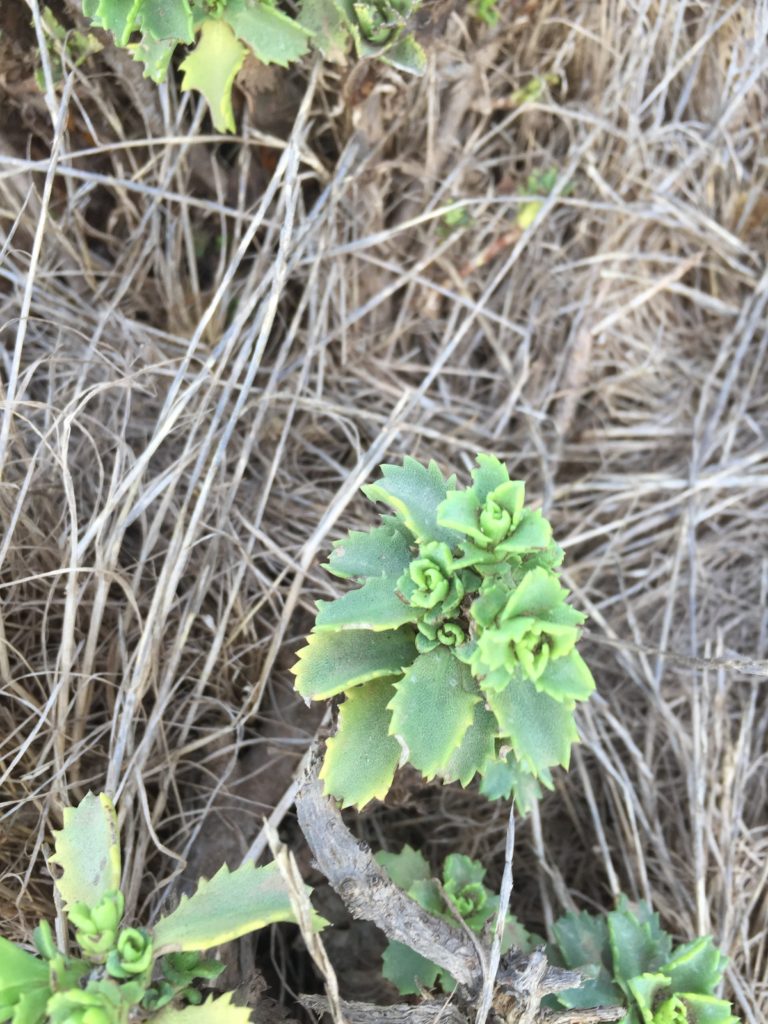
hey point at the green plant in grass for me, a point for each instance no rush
(628, 959)
(461, 893)
(221, 34)
(457, 650)
(120, 972)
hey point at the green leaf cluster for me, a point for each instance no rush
(462, 892)
(628, 959)
(456, 651)
(223, 32)
(122, 972)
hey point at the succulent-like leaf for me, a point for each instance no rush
(406, 867)
(460, 511)
(328, 23)
(408, 970)
(633, 948)
(212, 1011)
(406, 55)
(476, 747)
(273, 36)
(566, 679)
(540, 729)
(597, 989)
(118, 17)
(87, 849)
(373, 606)
(383, 551)
(169, 20)
(229, 905)
(696, 966)
(502, 778)
(707, 1009)
(211, 69)
(489, 474)
(155, 55)
(24, 985)
(333, 662)
(361, 759)
(582, 938)
(434, 682)
(414, 492)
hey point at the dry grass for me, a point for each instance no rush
(205, 355)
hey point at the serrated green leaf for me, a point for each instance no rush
(708, 1009)
(566, 679)
(333, 662)
(633, 948)
(460, 512)
(502, 778)
(540, 730)
(407, 970)
(211, 69)
(373, 606)
(87, 849)
(119, 17)
(327, 21)
(406, 55)
(489, 474)
(383, 551)
(434, 682)
(404, 868)
(534, 533)
(231, 904)
(597, 990)
(426, 892)
(154, 55)
(539, 592)
(273, 36)
(476, 747)
(164, 20)
(695, 967)
(212, 1011)
(414, 492)
(361, 759)
(24, 985)
(582, 938)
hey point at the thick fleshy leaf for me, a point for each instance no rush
(373, 606)
(476, 747)
(329, 25)
(427, 894)
(361, 759)
(154, 55)
(534, 533)
(383, 551)
(489, 474)
(406, 867)
(708, 1009)
(566, 678)
(273, 36)
(597, 990)
(696, 966)
(539, 592)
(406, 55)
(461, 512)
(211, 69)
(212, 1011)
(87, 849)
(333, 662)
(633, 948)
(432, 709)
(119, 17)
(23, 981)
(582, 938)
(231, 904)
(502, 778)
(171, 19)
(414, 492)
(407, 970)
(647, 990)
(540, 730)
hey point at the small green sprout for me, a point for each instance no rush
(628, 959)
(462, 892)
(538, 183)
(486, 10)
(110, 979)
(65, 47)
(457, 651)
(454, 220)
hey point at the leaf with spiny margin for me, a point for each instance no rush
(87, 849)
(540, 730)
(533, 533)
(329, 25)
(219, 1010)
(460, 512)
(502, 778)
(24, 984)
(383, 551)
(582, 938)
(695, 966)
(432, 709)
(567, 678)
(361, 758)
(118, 17)
(708, 1009)
(169, 19)
(273, 36)
(404, 868)
(333, 662)
(633, 946)
(489, 474)
(373, 606)
(406, 55)
(538, 593)
(646, 989)
(408, 970)
(211, 69)
(476, 747)
(154, 55)
(414, 492)
(231, 904)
